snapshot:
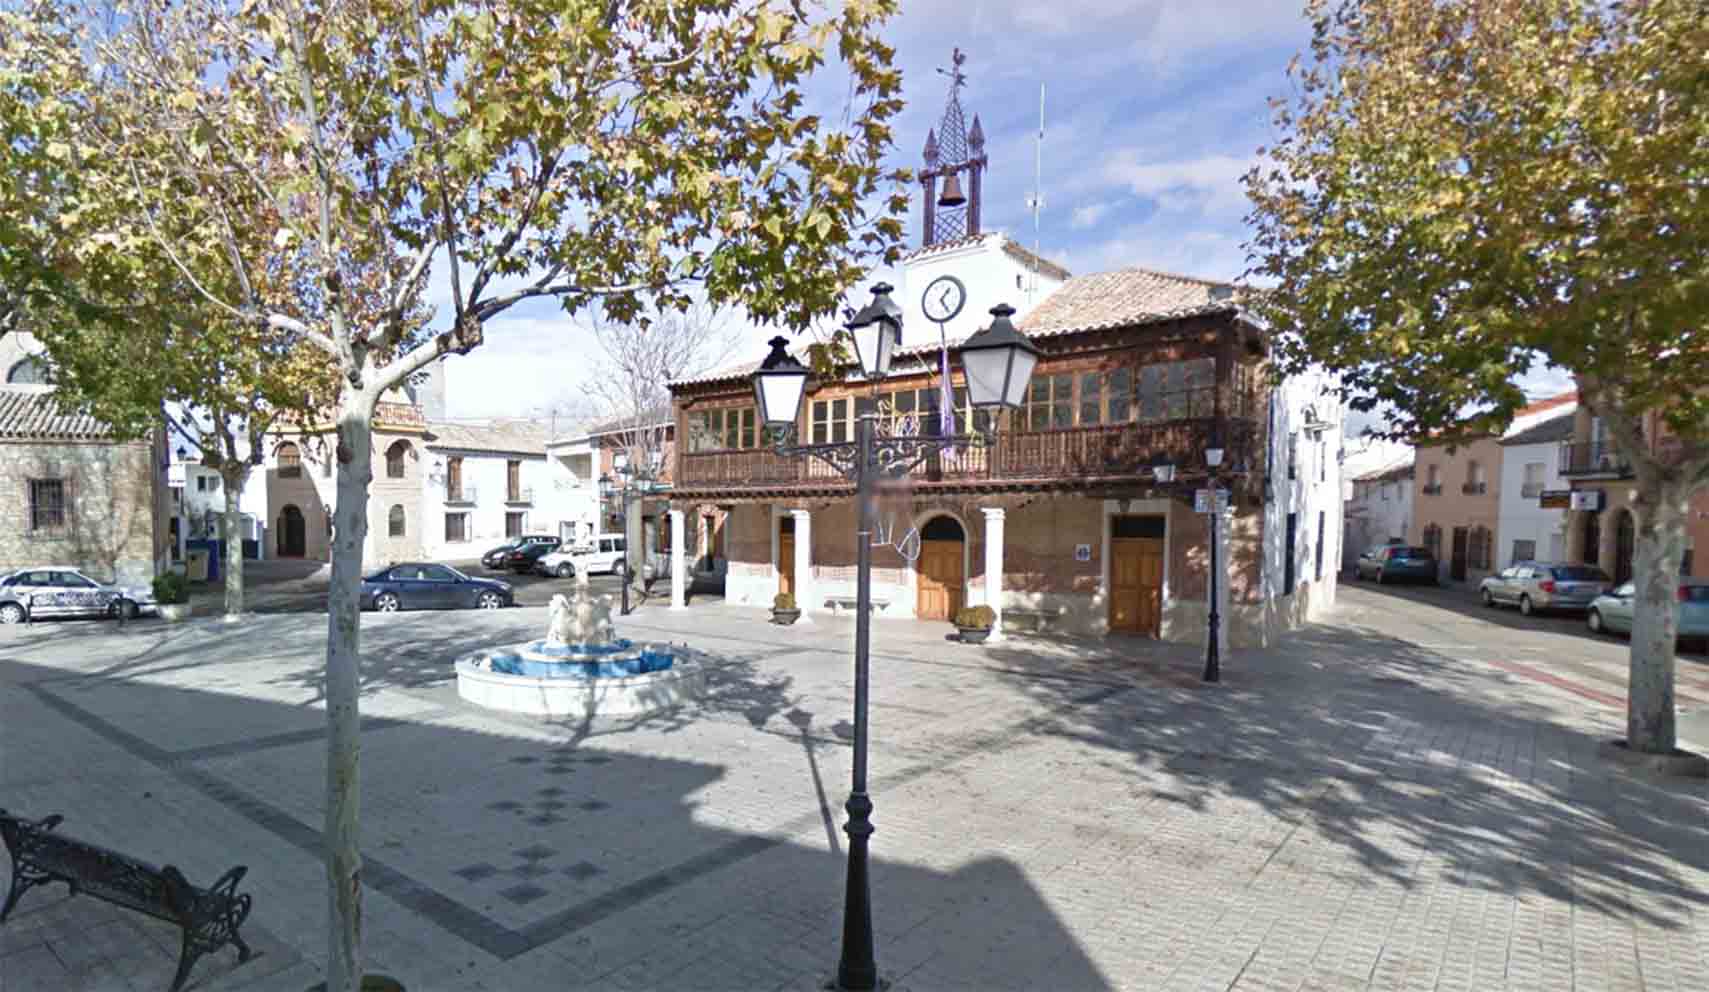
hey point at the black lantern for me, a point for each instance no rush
(876, 331)
(999, 362)
(779, 384)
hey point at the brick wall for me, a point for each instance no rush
(113, 528)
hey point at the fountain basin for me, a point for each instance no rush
(618, 678)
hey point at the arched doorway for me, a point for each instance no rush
(1592, 553)
(941, 576)
(1625, 538)
(293, 535)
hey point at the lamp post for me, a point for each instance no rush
(1213, 646)
(997, 362)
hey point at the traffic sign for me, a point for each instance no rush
(1202, 501)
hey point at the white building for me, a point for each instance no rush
(1303, 519)
(1532, 517)
(483, 483)
(993, 269)
(1378, 508)
(573, 468)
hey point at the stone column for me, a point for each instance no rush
(679, 563)
(803, 563)
(994, 568)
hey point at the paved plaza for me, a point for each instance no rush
(1381, 802)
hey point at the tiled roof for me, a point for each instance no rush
(1388, 473)
(658, 416)
(1106, 300)
(1555, 429)
(1010, 247)
(1545, 405)
(35, 414)
(521, 437)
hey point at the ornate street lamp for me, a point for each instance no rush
(998, 362)
(1213, 649)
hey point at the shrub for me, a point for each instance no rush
(784, 601)
(171, 589)
(975, 616)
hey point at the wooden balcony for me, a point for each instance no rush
(1026, 459)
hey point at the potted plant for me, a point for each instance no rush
(975, 622)
(784, 610)
(172, 596)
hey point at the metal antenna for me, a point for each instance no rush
(1036, 201)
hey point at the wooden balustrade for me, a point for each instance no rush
(1080, 453)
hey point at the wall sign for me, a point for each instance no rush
(1555, 499)
(1082, 552)
(1587, 499)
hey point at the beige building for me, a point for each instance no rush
(1602, 528)
(75, 496)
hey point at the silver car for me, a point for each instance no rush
(1612, 613)
(1544, 585)
(58, 591)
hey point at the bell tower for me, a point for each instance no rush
(956, 155)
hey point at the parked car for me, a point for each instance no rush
(1543, 585)
(528, 553)
(603, 554)
(1611, 612)
(1391, 562)
(498, 557)
(60, 591)
(431, 586)
(561, 561)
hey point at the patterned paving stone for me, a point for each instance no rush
(594, 805)
(524, 893)
(535, 852)
(581, 871)
(474, 873)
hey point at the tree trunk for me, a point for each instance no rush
(232, 521)
(1661, 517)
(343, 670)
(634, 535)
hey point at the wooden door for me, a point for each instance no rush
(1136, 585)
(1457, 564)
(293, 533)
(1625, 541)
(940, 580)
(786, 563)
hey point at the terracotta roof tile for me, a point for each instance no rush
(520, 437)
(35, 414)
(1105, 300)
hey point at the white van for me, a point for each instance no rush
(601, 554)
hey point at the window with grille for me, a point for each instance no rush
(1533, 484)
(47, 504)
(290, 461)
(456, 527)
(1290, 554)
(1177, 390)
(513, 525)
(1293, 456)
(395, 456)
(1523, 551)
(1478, 548)
(395, 520)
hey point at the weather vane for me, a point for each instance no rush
(957, 78)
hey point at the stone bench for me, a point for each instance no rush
(1036, 621)
(840, 603)
(208, 918)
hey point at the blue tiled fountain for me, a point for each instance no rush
(581, 668)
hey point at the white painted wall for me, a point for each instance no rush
(570, 507)
(486, 473)
(1381, 512)
(1315, 489)
(1519, 518)
(991, 275)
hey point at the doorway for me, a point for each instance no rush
(1592, 553)
(941, 578)
(293, 533)
(1625, 538)
(1457, 564)
(786, 556)
(1136, 574)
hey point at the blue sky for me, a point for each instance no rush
(1154, 108)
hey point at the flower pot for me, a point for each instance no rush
(175, 612)
(785, 617)
(974, 635)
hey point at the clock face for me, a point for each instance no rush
(943, 299)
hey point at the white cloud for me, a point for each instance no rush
(1089, 214)
(1207, 184)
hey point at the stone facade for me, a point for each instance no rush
(115, 522)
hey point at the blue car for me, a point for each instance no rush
(431, 586)
(1611, 613)
(1395, 562)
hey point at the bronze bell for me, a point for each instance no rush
(952, 196)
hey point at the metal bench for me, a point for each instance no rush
(840, 603)
(208, 918)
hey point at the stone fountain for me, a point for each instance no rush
(581, 668)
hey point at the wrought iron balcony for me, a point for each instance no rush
(1435, 490)
(459, 495)
(1073, 455)
(522, 494)
(1474, 488)
(1593, 458)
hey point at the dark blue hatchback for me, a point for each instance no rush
(1398, 562)
(431, 586)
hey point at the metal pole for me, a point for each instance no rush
(1213, 661)
(858, 969)
(625, 504)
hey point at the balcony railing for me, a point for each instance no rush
(1116, 451)
(1435, 490)
(1474, 488)
(1593, 458)
(523, 494)
(459, 494)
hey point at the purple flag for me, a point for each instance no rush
(946, 401)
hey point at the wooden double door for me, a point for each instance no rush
(1136, 585)
(941, 580)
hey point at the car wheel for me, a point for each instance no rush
(124, 608)
(387, 602)
(1593, 620)
(1381, 580)
(620, 568)
(11, 613)
(566, 571)
(490, 601)
(1525, 605)
(1488, 599)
